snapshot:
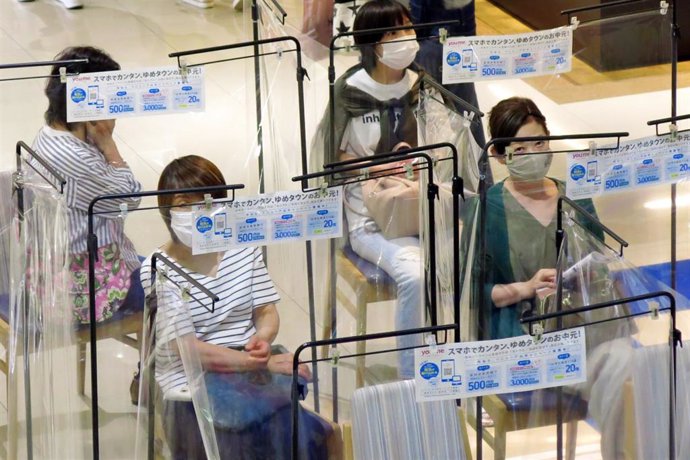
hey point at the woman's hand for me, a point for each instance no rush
(282, 364)
(100, 134)
(258, 353)
(542, 283)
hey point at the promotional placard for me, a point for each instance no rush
(634, 164)
(468, 369)
(491, 57)
(268, 219)
(120, 94)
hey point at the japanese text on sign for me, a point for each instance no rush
(468, 369)
(491, 57)
(634, 164)
(268, 219)
(119, 94)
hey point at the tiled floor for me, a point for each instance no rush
(141, 33)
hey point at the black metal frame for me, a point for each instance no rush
(92, 245)
(18, 185)
(342, 340)
(24, 65)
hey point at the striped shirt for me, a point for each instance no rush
(89, 175)
(242, 284)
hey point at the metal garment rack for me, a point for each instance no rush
(343, 340)
(483, 189)
(92, 246)
(351, 167)
(58, 183)
(301, 73)
(675, 37)
(674, 341)
(151, 321)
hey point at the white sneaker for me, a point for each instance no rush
(72, 4)
(200, 3)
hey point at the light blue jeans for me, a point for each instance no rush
(401, 259)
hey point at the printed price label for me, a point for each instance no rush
(491, 57)
(466, 369)
(634, 164)
(120, 94)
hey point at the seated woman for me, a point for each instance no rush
(87, 156)
(520, 219)
(374, 104)
(521, 258)
(233, 343)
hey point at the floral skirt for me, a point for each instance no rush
(112, 283)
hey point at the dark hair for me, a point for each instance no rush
(509, 115)
(187, 172)
(99, 61)
(376, 14)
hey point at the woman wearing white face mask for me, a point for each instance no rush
(374, 113)
(520, 218)
(234, 342)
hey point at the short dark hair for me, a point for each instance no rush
(99, 61)
(376, 14)
(188, 172)
(509, 115)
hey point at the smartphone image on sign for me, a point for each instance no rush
(447, 370)
(591, 171)
(219, 221)
(93, 94)
(467, 57)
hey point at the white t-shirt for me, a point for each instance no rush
(242, 284)
(362, 135)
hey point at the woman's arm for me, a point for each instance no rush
(503, 295)
(266, 322)
(215, 358)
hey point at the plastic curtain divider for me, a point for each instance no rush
(18, 184)
(300, 75)
(92, 246)
(483, 189)
(562, 243)
(674, 341)
(169, 265)
(342, 340)
(675, 37)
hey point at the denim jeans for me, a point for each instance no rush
(400, 258)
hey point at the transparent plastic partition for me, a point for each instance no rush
(602, 65)
(46, 418)
(381, 418)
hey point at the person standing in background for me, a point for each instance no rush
(430, 56)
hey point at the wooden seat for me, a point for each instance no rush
(370, 284)
(513, 412)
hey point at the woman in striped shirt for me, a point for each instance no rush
(233, 343)
(86, 155)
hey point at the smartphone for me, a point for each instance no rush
(447, 370)
(467, 57)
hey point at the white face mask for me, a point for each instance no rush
(529, 167)
(399, 53)
(182, 223)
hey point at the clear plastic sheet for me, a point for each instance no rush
(439, 122)
(601, 65)
(45, 414)
(169, 354)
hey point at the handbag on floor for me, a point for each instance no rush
(393, 203)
